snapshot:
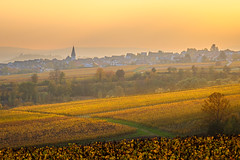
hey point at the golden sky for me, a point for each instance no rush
(169, 25)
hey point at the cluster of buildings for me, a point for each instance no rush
(160, 57)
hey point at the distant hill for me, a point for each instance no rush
(10, 54)
(23, 57)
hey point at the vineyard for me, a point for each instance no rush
(219, 147)
(164, 114)
(9, 115)
(114, 104)
(124, 80)
(182, 118)
(34, 129)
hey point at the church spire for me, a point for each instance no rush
(73, 55)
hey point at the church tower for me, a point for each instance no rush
(73, 55)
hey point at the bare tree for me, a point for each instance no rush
(99, 74)
(34, 78)
(216, 108)
(120, 74)
(57, 76)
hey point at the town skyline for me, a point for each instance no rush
(22, 54)
(191, 55)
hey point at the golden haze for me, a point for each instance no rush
(169, 25)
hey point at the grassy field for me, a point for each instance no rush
(83, 73)
(80, 73)
(235, 64)
(120, 103)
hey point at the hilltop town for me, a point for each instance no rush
(190, 55)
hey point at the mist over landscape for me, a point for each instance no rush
(108, 79)
(11, 54)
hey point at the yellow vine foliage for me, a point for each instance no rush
(178, 117)
(10, 115)
(219, 147)
(120, 103)
(57, 129)
(176, 112)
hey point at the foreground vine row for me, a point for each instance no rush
(219, 147)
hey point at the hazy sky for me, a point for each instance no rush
(170, 25)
